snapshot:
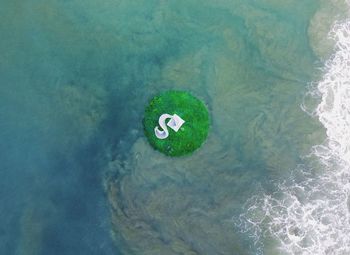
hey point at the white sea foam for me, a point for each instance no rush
(312, 217)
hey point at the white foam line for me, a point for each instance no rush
(312, 217)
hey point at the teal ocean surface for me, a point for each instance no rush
(77, 175)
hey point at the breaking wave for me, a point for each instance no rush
(311, 213)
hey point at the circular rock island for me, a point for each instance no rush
(176, 123)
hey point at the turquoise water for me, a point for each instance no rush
(77, 175)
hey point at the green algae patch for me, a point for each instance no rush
(176, 123)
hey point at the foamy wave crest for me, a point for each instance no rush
(312, 216)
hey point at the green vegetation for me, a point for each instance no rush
(193, 132)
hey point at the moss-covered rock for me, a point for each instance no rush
(192, 133)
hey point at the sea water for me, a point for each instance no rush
(77, 175)
(311, 214)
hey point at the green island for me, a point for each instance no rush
(192, 133)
